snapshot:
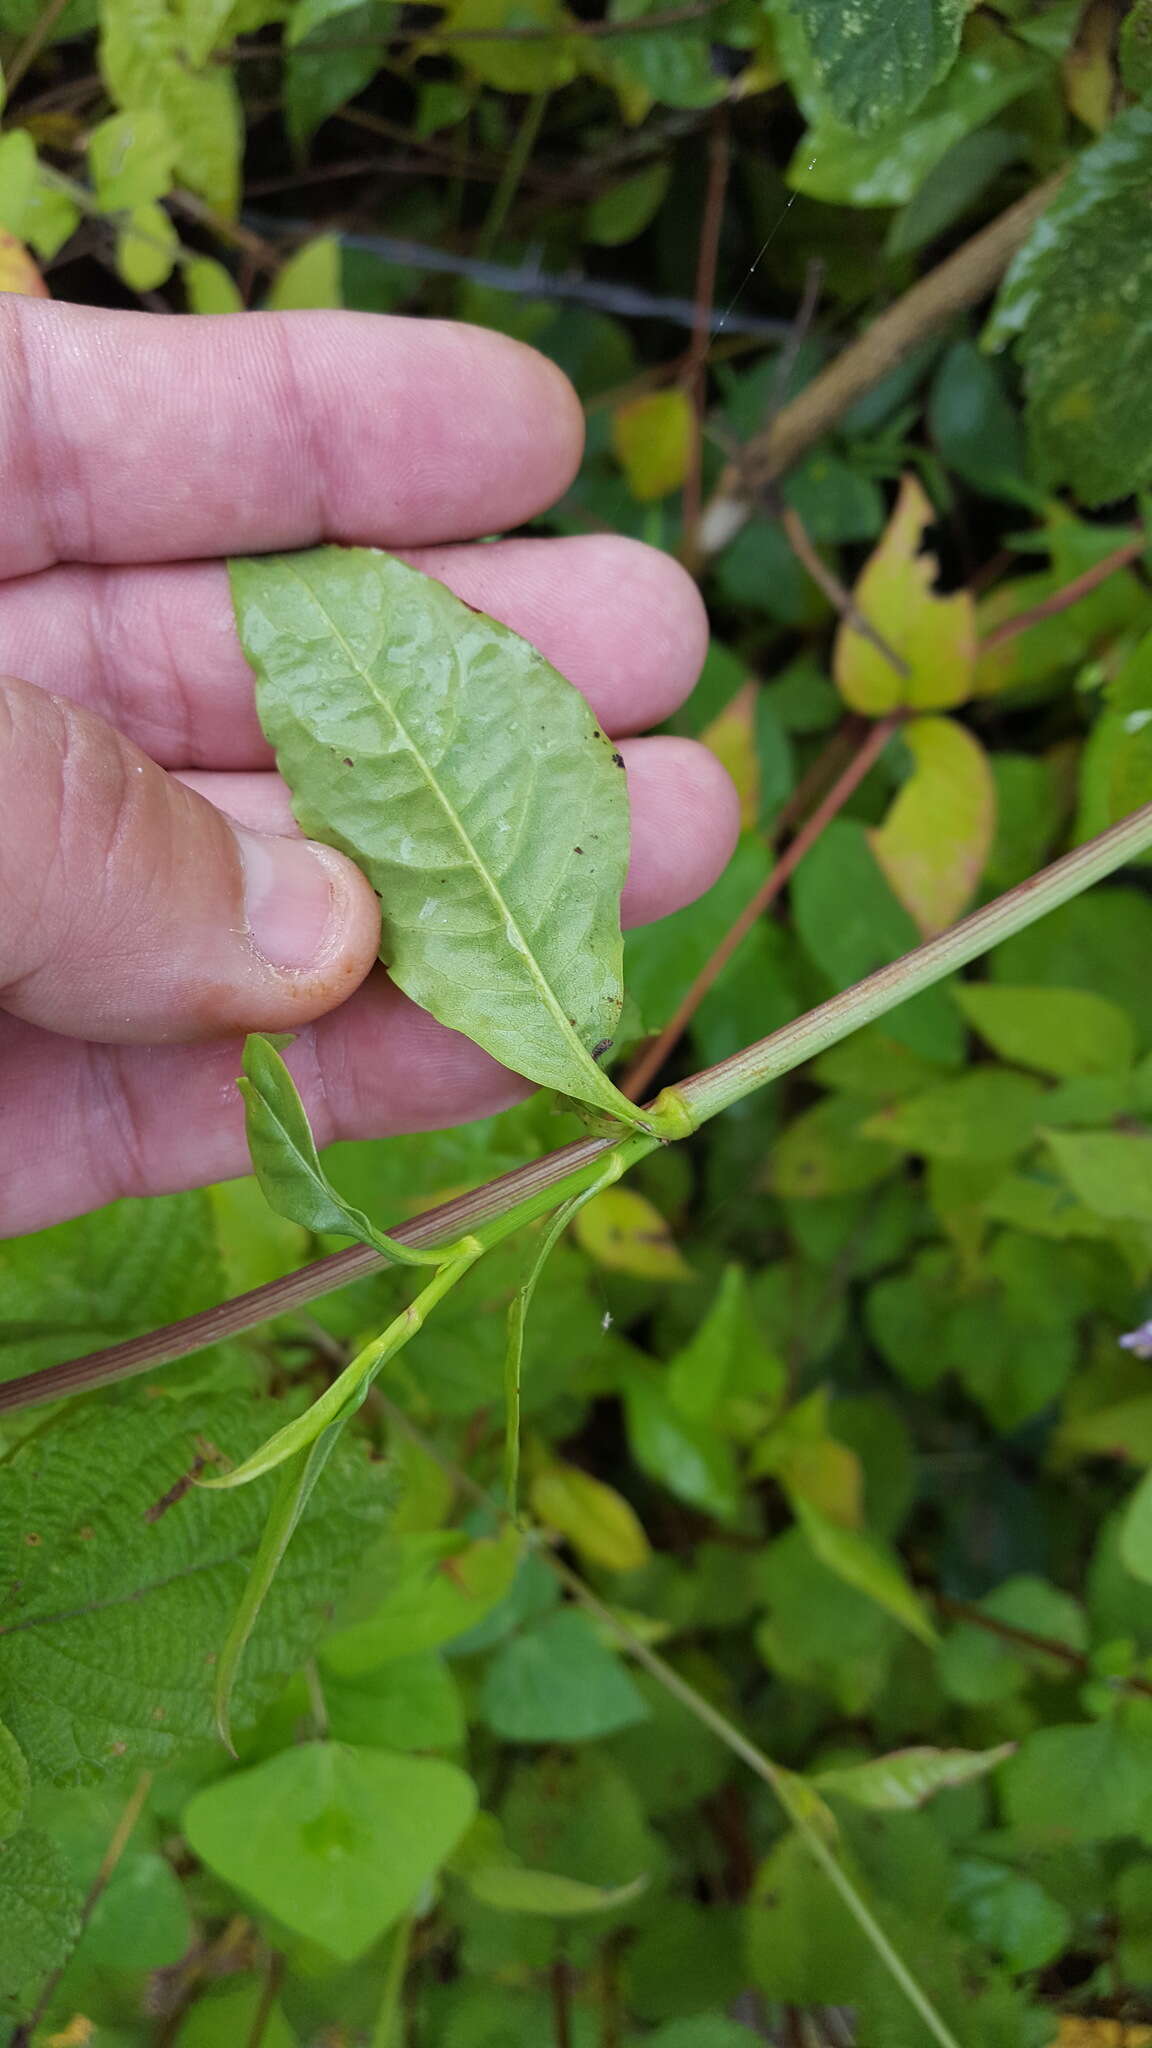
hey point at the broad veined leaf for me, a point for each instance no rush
(143, 56)
(1079, 297)
(876, 59)
(935, 637)
(1110, 1171)
(473, 786)
(442, 1586)
(39, 1914)
(936, 838)
(909, 1777)
(14, 1782)
(336, 1842)
(118, 1576)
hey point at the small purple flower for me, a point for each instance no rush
(1139, 1341)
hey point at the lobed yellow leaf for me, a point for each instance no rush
(935, 841)
(594, 1518)
(621, 1229)
(935, 636)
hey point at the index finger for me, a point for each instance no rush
(125, 437)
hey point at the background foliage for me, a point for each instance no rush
(845, 1408)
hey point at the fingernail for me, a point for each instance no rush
(289, 898)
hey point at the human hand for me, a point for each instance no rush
(152, 906)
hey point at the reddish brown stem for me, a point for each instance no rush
(695, 373)
(642, 1074)
(1063, 600)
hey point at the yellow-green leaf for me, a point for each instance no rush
(731, 736)
(934, 636)
(310, 278)
(935, 841)
(593, 1517)
(866, 1563)
(210, 288)
(1061, 1031)
(652, 438)
(622, 1230)
(18, 272)
(146, 248)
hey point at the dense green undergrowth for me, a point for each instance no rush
(842, 1408)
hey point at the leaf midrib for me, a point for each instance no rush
(555, 1007)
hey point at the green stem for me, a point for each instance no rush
(518, 159)
(534, 1190)
(386, 2033)
(705, 1095)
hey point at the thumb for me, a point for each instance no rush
(133, 912)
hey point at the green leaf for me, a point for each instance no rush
(868, 1565)
(88, 1283)
(909, 1777)
(989, 1113)
(557, 1683)
(144, 61)
(623, 211)
(1079, 298)
(1081, 1784)
(726, 1358)
(979, 1667)
(131, 159)
(1136, 48)
(1136, 1532)
(310, 278)
(334, 1842)
(624, 1232)
(14, 1782)
(118, 1577)
(1101, 942)
(408, 1703)
(1009, 1913)
(934, 842)
(318, 81)
(226, 2014)
(888, 169)
(509, 1888)
(823, 1152)
(473, 786)
(975, 428)
(442, 1585)
(39, 1915)
(288, 1165)
(210, 288)
(593, 1517)
(1110, 1171)
(147, 246)
(876, 60)
(1060, 1031)
(850, 922)
(685, 1455)
(293, 1491)
(512, 66)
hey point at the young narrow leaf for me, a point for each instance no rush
(295, 1486)
(287, 1163)
(473, 786)
(348, 1389)
(909, 1777)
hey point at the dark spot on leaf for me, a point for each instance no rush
(618, 759)
(348, 763)
(33, 1540)
(577, 849)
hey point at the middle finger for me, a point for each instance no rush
(155, 651)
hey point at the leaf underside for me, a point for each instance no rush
(469, 781)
